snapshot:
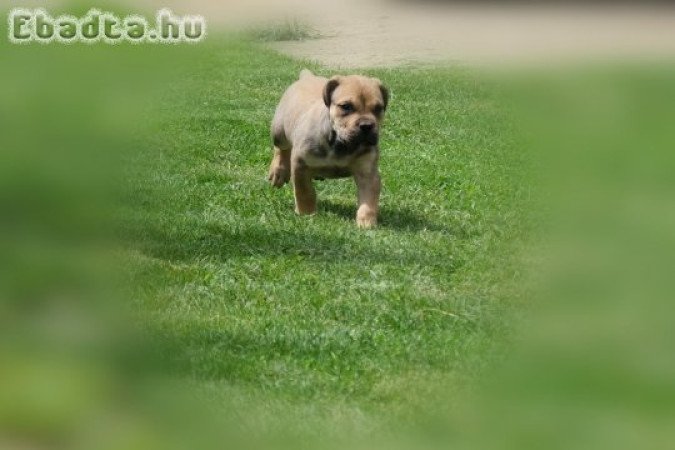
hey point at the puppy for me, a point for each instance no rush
(330, 129)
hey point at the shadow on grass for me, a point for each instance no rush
(194, 242)
(401, 219)
(212, 242)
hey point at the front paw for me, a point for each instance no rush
(366, 218)
(305, 210)
(278, 176)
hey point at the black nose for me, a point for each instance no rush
(367, 127)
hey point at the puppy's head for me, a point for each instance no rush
(357, 105)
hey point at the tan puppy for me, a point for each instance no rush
(330, 129)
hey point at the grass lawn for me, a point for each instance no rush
(308, 320)
(309, 325)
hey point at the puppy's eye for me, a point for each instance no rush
(347, 107)
(378, 109)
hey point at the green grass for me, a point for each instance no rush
(309, 318)
(286, 30)
(309, 325)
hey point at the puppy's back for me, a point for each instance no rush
(308, 88)
(298, 98)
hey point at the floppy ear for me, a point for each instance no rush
(328, 90)
(385, 95)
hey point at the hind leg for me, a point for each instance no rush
(280, 168)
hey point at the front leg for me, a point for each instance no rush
(368, 185)
(303, 188)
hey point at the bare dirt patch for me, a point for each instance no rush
(380, 33)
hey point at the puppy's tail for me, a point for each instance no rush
(306, 73)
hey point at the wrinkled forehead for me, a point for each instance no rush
(358, 90)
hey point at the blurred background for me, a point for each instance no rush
(591, 87)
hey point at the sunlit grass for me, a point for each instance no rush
(310, 310)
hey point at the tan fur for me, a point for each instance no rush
(330, 129)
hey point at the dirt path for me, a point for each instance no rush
(382, 35)
(362, 33)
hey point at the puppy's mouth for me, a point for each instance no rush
(351, 144)
(364, 138)
(369, 138)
